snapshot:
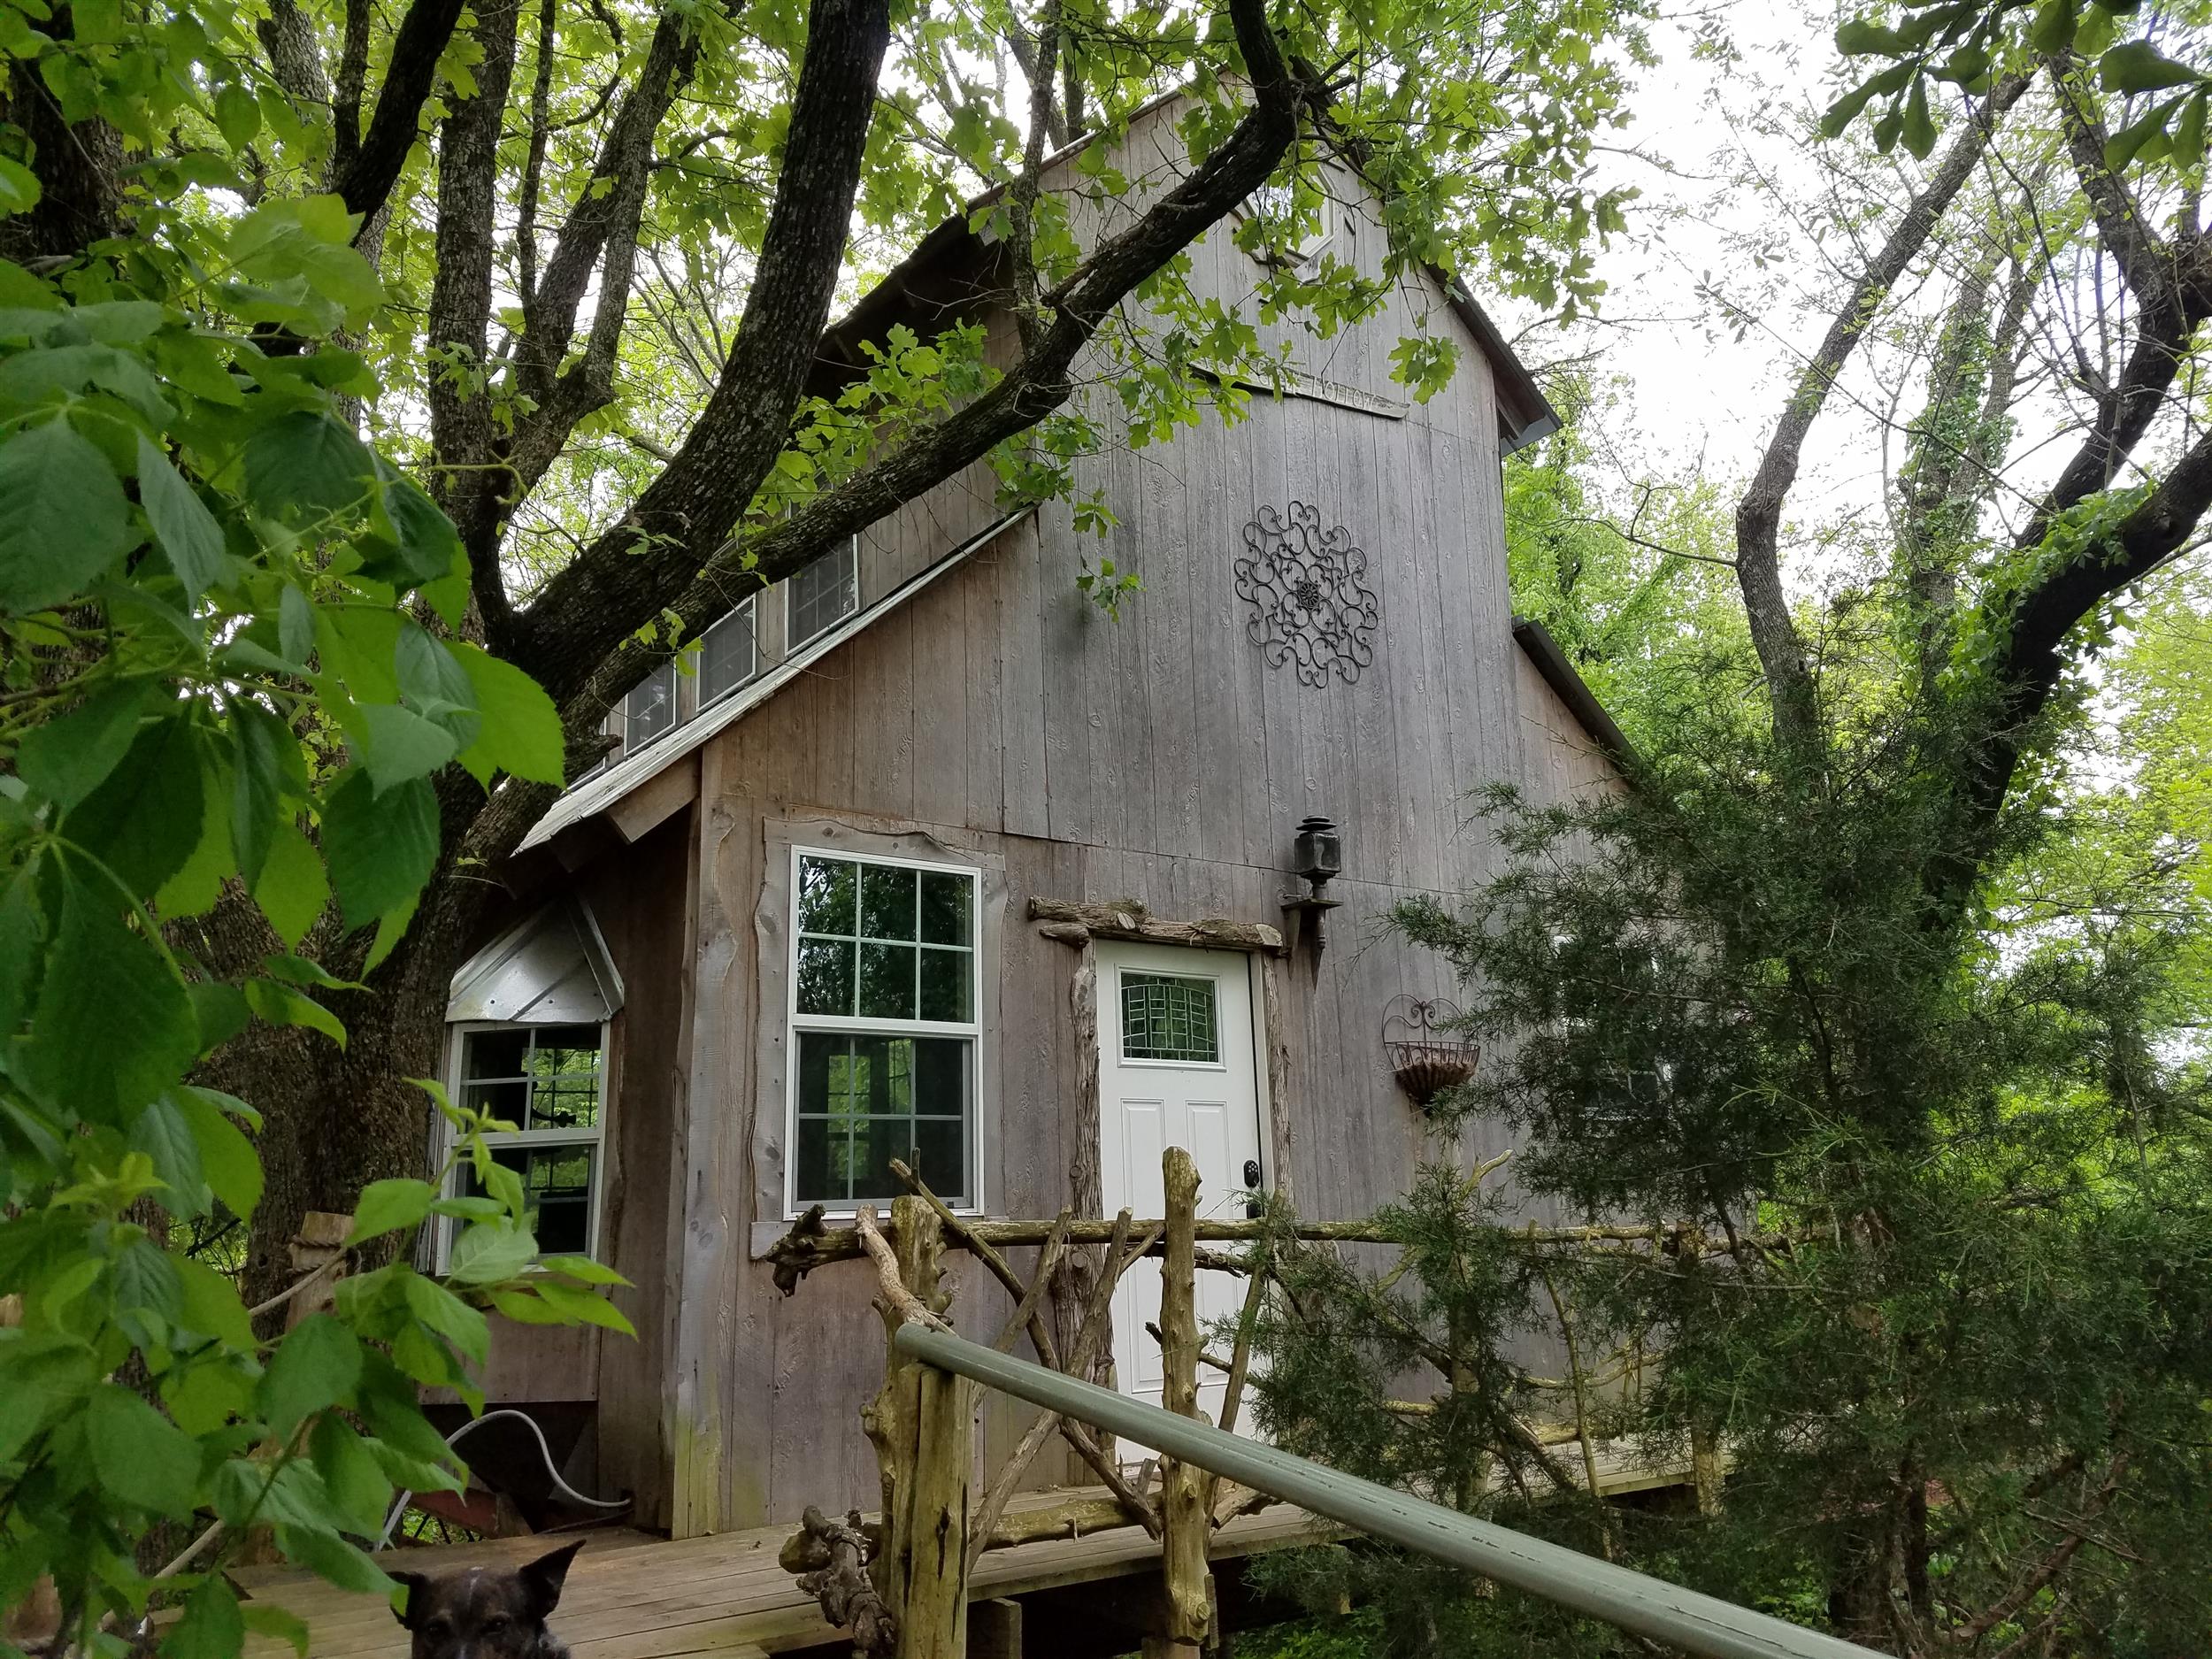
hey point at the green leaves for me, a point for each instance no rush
(171, 723)
(65, 760)
(62, 516)
(487, 1253)
(140, 1455)
(102, 979)
(143, 820)
(1961, 43)
(308, 469)
(521, 733)
(297, 265)
(381, 844)
(227, 1157)
(387, 1206)
(183, 527)
(2138, 66)
(316, 1365)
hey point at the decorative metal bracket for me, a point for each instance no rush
(1302, 913)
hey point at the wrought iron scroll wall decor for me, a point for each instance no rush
(1426, 1057)
(1311, 606)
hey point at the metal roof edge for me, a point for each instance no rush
(594, 796)
(1543, 651)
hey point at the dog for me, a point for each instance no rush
(486, 1612)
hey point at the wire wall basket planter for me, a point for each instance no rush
(1425, 1055)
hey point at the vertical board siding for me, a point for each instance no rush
(1155, 759)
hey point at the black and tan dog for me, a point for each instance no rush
(486, 1612)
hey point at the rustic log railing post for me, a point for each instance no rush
(922, 1431)
(1188, 1580)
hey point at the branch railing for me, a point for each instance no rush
(1631, 1601)
(900, 1582)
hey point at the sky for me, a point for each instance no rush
(1695, 393)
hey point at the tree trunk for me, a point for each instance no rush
(333, 1121)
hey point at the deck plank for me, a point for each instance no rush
(632, 1596)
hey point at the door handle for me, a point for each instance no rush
(1254, 1210)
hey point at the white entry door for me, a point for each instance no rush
(1176, 1067)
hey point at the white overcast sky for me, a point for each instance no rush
(1695, 395)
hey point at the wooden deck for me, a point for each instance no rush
(631, 1595)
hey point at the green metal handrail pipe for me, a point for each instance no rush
(1633, 1600)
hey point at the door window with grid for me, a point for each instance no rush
(547, 1081)
(883, 1025)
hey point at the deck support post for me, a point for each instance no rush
(923, 1430)
(1186, 1578)
(994, 1630)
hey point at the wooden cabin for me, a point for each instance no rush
(922, 853)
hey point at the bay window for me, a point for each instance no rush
(547, 1081)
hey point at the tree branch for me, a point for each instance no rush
(293, 56)
(2145, 259)
(367, 177)
(577, 629)
(1759, 514)
(534, 165)
(600, 235)
(622, 167)
(461, 303)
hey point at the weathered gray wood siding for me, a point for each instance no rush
(643, 901)
(1157, 759)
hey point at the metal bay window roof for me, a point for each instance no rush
(551, 969)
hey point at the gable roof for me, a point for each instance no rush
(593, 794)
(951, 270)
(954, 268)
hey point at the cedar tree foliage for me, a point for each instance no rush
(1924, 1158)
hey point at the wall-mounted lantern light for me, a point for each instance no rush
(1317, 858)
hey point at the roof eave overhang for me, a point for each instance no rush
(1551, 663)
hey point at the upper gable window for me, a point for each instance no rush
(649, 710)
(1282, 238)
(822, 594)
(884, 1029)
(729, 655)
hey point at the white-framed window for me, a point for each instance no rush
(883, 992)
(649, 710)
(1282, 240)
(822, 594)
(729, 655)
(549, 1081)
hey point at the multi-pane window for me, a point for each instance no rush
(822, 594)
(649, 710)
(883, 1018)
(547, 1081)
(1282, 239)
(1165, 1016)
(728, 656)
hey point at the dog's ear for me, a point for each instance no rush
(542, 1579)
(412, 1588)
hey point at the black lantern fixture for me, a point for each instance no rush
(1317, 858)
